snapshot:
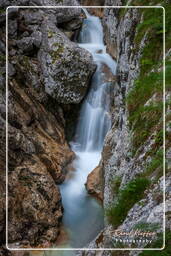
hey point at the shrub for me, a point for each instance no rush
(143, 121)
(156, 162)
(116, 184)
(128, 196)
(143, 226)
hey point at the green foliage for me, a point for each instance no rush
(2, 58)
(143, 89)
(116, 182)
(2, 10)
(155, 166)
(159, 138)
(143, 226)
(168, 75)
(57, 52)
(157, 161)
(152, 25)
(159, 244)
(143, 120)
(128, 196)
(149, 83)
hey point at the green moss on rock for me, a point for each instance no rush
(127, 197)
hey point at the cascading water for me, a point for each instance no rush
(83, 215)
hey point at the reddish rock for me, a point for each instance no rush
(94, 183)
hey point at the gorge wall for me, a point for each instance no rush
(45, 94)
(48, 75)
(133, 152)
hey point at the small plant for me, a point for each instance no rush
(127, 197)
(116, 182)
(156, 162)
(143, 122)
(147, 226)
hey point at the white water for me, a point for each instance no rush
(83, 215)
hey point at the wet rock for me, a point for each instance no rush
(94, 183)
(66, 68)
(109, 76)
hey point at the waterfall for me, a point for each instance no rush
(83, 215)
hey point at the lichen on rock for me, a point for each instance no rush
(66, 68)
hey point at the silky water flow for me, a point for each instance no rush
(83, 215)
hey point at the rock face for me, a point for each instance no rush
(94, 183)
(118, 159)
(121, 158)
(38, 153)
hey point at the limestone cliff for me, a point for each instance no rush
(132, 158)
(41, 80)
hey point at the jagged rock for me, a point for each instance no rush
(37, 202)
(94, 183)
(66, 68)
(12, 13)
(38, 154)
(27, 44)
(61, 14)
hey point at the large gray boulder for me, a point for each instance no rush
(66, 68)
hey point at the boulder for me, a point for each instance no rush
(94, 183)
(66, 68)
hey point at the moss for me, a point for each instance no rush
(51, 34)
(143, 89)
(152, 22)
(2, 10)
(143, 226)
(127, 197)
(149, 83)
(115, 184)
(57, 53)
(168, 75)
(144, 121)
(25, 61)
(2, 58)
